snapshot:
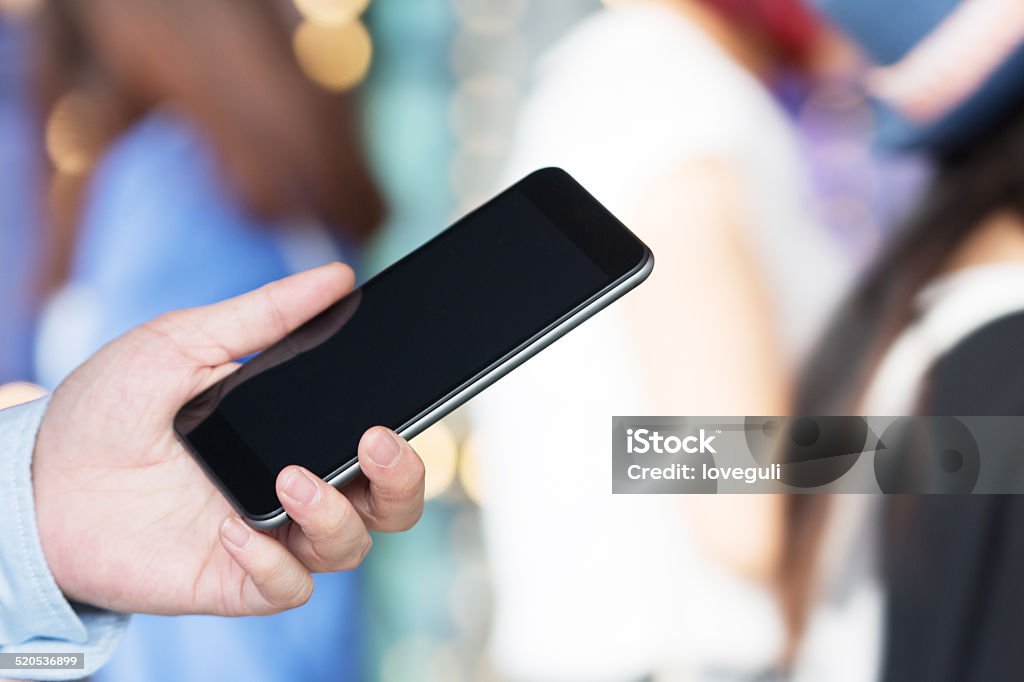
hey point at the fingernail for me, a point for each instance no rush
(386, 449)
(300, 487)
(236, 532)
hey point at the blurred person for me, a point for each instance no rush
(19, 240)
(194, 120)
(101, 520)
(661, 110)
(934, 328)
(195, 161)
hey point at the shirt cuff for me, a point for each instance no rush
(35, 617)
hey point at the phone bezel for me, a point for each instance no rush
(590, 226)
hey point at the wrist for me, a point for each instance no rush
(37, 607)
(46, 497)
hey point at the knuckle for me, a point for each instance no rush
(336, 519)
(407, 491)
(356, 558)
(312, 558)
(400, 521)
(299, 593)
(414, 518)
(410, 520)
(364, 551)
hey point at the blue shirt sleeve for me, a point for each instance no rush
(35, 617)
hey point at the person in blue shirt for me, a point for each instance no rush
(214, 167)
(19, 242)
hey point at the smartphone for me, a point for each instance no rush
(416, 341)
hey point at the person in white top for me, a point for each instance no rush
(657, 108)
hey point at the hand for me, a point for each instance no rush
(127, 519)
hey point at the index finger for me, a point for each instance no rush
(231, 329)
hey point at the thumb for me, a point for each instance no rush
(219, 333)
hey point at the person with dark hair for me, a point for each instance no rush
(934, 328)
(193, 161)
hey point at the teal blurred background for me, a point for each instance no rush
(439, 106)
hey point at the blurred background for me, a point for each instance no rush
(105, 173)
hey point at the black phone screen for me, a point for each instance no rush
(410, 336)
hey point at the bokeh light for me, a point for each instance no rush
(484, 105)
(469, 471)
(439, 450)
(19, 392)
(336, 56)
(331, 11)
(480, 54)
(70, 142)
(19, 8)
(489, 16)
